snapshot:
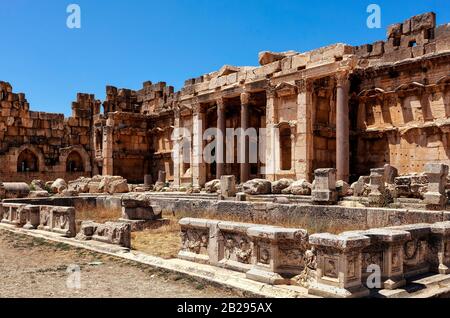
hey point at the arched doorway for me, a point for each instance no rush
(27, 162)
(74, 162)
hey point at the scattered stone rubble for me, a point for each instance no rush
(139, 211)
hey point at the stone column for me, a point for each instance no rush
(177, 157)
(148, 180)
(342, 127)
(108, 162)
(304, 150)
(245, 121)
(435, 198)
(221, 131)
(198, 164)
(271, 146)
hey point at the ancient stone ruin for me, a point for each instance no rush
(356, 150)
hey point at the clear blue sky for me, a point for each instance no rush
(124, 43)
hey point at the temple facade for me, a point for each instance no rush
(351, 108)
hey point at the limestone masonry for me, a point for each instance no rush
(343, 107)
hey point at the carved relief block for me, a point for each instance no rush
(339, 261)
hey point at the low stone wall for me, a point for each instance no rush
(47, 218)
(316, 218)
(90, 201)
(313, 217)
(266, 253)
(342, 264)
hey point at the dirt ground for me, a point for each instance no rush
(32, 267)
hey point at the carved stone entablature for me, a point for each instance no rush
(342, 77)
(444, 82)
(245, 98)
(286, 89)
(413, 88)
(292, 124)
(370, 94)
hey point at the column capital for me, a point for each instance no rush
(271, 92)
(220, 102)
(341, 77)
(304, 85)
(245, 99)
(197, 108)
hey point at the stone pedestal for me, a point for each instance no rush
(138, 211)
(435, 197)
(161, 183)
(338, 272)
(324, 191)
(29, 216)
(377, 188)
(441, 234)
(10, 213)
(387, 245)
(148, 180)
(416, 251)
(162, 176)
(274, 250)
(228, 186)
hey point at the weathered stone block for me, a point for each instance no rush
(388, 245)
(423, 22)
(57, 219)
(338, 263)
(435, 197)
(441, 261)
(117, 233)
(257, 186)
(324, 191)
(228, 186)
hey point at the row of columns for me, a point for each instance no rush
(304, 151)
(220, 147)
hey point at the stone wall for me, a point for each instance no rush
(36, 145)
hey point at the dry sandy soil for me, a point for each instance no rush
(31, 267)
